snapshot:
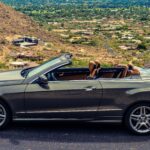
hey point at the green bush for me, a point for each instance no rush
(4, 42)
(142, 46)
(3, 66)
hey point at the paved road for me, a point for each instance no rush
(70, 136)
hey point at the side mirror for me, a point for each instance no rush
(43, 80)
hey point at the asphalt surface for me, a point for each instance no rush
(70, 136)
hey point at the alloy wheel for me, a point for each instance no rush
(2, 115)
(140, 119)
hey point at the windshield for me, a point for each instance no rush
(145, 71)
(42, 67)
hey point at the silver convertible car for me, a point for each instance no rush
(55, 91)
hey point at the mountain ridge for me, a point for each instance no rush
(103, 3)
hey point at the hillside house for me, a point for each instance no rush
(128, 47)
(25, 41)
(19, 65)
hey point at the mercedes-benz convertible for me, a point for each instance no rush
(56, 91)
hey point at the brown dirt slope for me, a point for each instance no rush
(13, 22)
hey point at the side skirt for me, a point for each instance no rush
(70, 119)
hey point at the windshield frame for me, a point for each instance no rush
(25, 71)
(65, 59)
(43, 66)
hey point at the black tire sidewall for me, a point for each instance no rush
(8, 116)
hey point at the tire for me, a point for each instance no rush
(137, 119)
(5, 116)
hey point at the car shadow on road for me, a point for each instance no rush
(69, 132)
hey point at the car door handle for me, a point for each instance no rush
(88, 89)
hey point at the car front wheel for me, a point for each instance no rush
(5, 115)
(137, 119)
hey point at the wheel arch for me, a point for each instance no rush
(6, 104)
(133, 104)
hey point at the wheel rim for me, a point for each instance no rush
(140, 119)
(2, 115)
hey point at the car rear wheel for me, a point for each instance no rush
(137, 119)
(5, 115)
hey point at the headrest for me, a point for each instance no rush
(92, 66)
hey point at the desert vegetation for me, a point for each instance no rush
(111, 31)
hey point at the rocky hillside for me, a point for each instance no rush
(14, 24)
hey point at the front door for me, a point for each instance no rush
(63, 99)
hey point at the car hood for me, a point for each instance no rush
(11, 77)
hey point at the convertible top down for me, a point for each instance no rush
(54, 91)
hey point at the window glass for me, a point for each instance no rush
(43, 67)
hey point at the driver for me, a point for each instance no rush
(94, 66)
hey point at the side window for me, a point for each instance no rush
(64, 74)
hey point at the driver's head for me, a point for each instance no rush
(130, 66)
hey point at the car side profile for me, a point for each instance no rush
(54, 91)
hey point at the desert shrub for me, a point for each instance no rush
(106, 65)
(3, 66)
(80, 63)
(50, 28)
(142, 46)
(3, 42)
